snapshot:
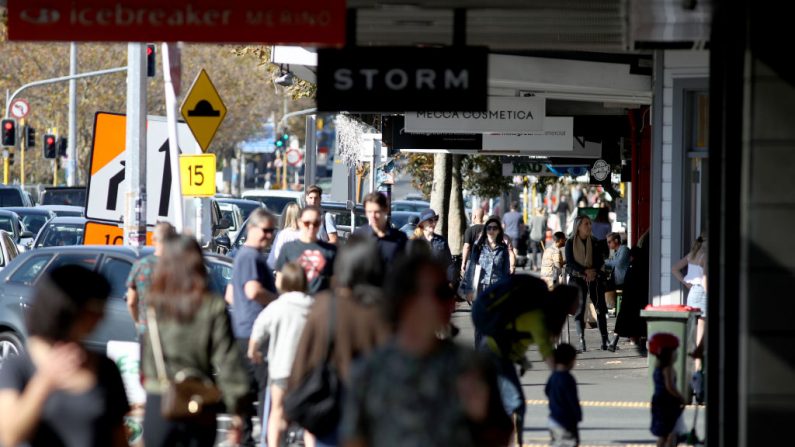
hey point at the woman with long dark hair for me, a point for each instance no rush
(584, 260)
(194, 335)
(490, 260)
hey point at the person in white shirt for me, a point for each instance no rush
(289, 232)
(281, 323)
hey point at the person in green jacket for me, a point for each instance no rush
(195, 333)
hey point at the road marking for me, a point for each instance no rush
(601, 404)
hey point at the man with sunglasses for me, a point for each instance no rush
(250, 290)
(315, 256)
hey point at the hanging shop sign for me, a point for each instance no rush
(504, 115)
(274, 21)
(533, 168)
(396, 79)
(556, 136)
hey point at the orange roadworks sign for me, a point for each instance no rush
(106, 234)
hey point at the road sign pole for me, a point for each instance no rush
(173, 143)
(310, 149)
(5, 168)
(135, 169)
(22, 147)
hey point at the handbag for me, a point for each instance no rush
(315, 403)
(190, 392)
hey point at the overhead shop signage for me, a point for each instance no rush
(504, 115)
(396, 138)
(320, 22)
(396, 79)
(533, 168)
(557, 135)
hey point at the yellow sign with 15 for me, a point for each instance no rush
(197, 175)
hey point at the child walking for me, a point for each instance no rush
(281, 323)
(666, 403)
(564, 405)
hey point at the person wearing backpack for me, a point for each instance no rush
(509, 317)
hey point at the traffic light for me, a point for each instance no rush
(282, 140)
(151, 63)
(30, 137)
(50, 146)
(9, 132)
(62, 146)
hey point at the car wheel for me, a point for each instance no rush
(10, 345)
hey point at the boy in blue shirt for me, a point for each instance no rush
(564, 404)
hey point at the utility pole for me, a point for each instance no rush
(71, 147)
(135, 169)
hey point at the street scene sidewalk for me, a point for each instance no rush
(614, 389)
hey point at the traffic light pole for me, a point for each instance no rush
(71, 152)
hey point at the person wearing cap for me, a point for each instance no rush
(441, 250)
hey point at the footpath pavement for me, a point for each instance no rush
(614, 390)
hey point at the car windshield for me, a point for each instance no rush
(68, 197)
(400, 219)
(10, 197)
(61, 234)
(34, 222)
(415, 207)
(6, 224)
(274, 204)
(69, 213)
(246, 208)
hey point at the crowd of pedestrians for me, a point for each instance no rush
(363, 326)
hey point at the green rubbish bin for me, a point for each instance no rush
(680, 321)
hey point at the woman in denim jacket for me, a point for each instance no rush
(490, 254)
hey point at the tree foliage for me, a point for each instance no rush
(245, 88)
(483, 176)
(420, 168)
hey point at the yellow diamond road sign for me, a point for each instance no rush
(203, 110)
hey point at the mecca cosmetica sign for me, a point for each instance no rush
(320, 22)
(399, 79)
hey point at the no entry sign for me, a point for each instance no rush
(320, 22)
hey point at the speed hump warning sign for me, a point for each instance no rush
(203, 110)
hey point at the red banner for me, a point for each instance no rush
(314, 22)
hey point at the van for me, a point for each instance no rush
(275, 200)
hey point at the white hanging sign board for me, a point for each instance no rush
(505, 115)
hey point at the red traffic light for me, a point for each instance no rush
(8, 125)
(149, 50)
(50, 140)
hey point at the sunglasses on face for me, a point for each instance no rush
(267, 230)
(492, 228)
(311, 223)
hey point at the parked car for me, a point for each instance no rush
(61, 231)
(342, 217)
(410, 205)
(64, 195)
(8, 249)
(65, 210)
(246, 206)
(14, 195)
(12, 223)
(275, 199)
(114, 262)
(401, 218)
(32, 217)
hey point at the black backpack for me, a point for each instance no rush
(496, 309)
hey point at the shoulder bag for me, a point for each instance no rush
(315, 403)
(189, 392)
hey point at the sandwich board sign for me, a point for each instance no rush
(107, 185)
